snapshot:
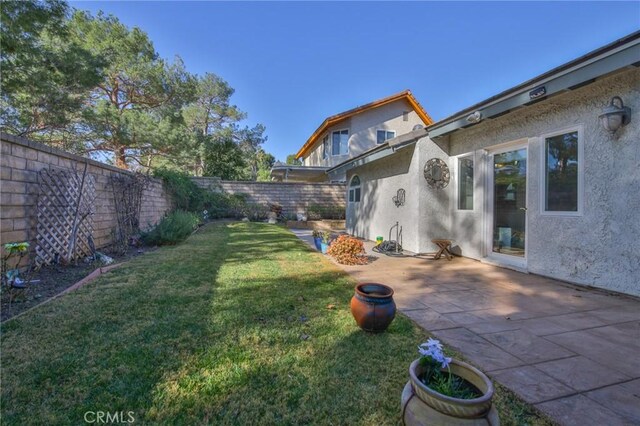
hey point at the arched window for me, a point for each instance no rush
(354, 190)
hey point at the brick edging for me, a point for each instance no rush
(86, 280)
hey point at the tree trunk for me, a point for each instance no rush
(120, 158)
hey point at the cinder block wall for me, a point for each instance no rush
(292, 196)
(20, 162)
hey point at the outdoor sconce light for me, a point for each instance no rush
(613, 116)
(474, 117)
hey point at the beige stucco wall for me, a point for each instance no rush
(363, 131)
(599, 248)
(424, 216)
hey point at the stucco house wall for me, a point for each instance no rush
(600, 247)
(426, 213)
(376, 213)
(363, 131)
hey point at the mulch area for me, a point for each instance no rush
(53, 280)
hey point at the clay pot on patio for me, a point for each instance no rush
(422, 405)
(373, 307)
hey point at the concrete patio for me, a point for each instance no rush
(571, 351)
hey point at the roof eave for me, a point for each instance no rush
(593, 66)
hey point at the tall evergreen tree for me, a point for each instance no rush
(46, 76)
(135, 109)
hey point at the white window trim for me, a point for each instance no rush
(348, 142)
(456, 200)
(350, 188)
(323, 147)
(385, 130)
(543, 172)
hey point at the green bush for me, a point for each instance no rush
(172, 229)
(189, 197)
(317, 212)
(256, 212)
(222, 205)
(184, 192)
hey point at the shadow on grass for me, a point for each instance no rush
(106, 346)
(287, 350)
(241, 324)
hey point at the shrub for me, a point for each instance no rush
(255, 211)
(222, 205)
(317, 212)
(348, 250)
(172, 229)
(184, 192)
(236, 205)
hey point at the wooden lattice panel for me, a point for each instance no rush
(65, 215)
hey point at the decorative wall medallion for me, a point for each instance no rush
(436, 172)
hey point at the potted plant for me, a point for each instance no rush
(448, 391)
(317, 239)
(325, 240)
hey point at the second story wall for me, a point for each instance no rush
(363, 129)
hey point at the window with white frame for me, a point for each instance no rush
(383, 135)
(340, 142)
(562, 172)
(465, 183)
(354, 190)
(325, 147)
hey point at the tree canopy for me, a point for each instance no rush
(94, 86)
(45, 74)
(291, 159)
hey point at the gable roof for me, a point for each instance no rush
(335, 119)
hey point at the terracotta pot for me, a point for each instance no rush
(422, 405)
(373, 307)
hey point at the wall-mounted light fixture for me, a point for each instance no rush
(615, 115)
(474, 117)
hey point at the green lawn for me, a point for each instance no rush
(231, 327)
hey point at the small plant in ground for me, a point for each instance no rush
(348, 250)
(441, 381)
(11, 276)
(172, 229)
(13, 251)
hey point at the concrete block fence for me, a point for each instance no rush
(20, 162)
(294, 197)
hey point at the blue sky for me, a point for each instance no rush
(293, 64)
